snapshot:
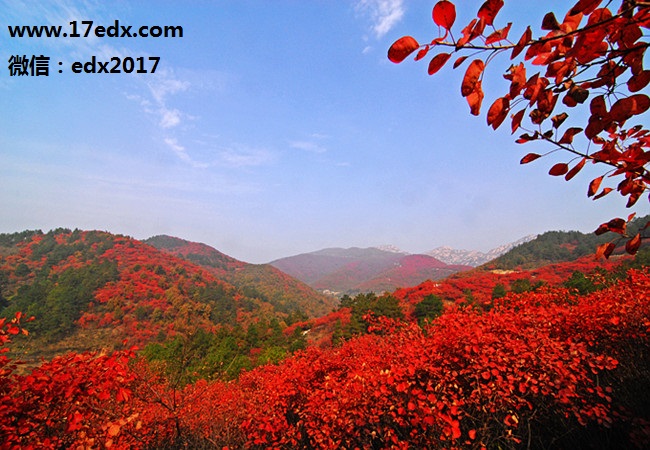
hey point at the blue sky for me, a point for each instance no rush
(270, 128)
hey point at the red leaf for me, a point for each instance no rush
(640, 103)
(498, 35)
(489, 10)
(527, 137)
(459, 61)
(605, 250)
(475, 98)
(633, 244)
(627, 107)
(597, 107)
(470, 32)
(523, 41)
(517, 76)
(568, 135)
(472, 434)
(585, 7)
(617, 225)
(594, 185)
(559, 119)
(517, 118)
(498, 112)
(422, 53)
(455, 430)
(577, 168)
(402, 48)
(529, 157)
(559, 169)
(550, 23)
(444, 14)
(438, 61)
(639, 81)
(605, 191)
(472, 76)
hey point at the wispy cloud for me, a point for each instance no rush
(308, 146)
(383, 14)
(181, 152)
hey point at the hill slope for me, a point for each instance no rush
(558, 246)
(91, 290)
(263, 281)
(356, 270)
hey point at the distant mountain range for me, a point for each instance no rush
(379, 269)
(353, 270)
(472, 257)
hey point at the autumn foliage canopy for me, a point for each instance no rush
(590, 63)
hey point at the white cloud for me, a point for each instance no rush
(161, 87)
(384, 14)
(169, 117)
(308, 146)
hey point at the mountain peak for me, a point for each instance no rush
(475, 258)
(391, 249)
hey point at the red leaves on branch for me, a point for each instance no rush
(498, 35)
(594, 53)
(402, 48)
(444, 14)
(568, 135)
(524, 40)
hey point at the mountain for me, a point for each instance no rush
(472, 257)
(285, 293)
(353, 270)
(409, 271)
(92, 290)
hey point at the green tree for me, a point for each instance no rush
(429, 308)
(499, 291)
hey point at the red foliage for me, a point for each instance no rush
(593, 51)
(536, 363)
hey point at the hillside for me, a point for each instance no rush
(410, 270)
(354, 270)
(262, 281)
(558, 246)
(92, 290)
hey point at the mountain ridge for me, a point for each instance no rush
(475, 258)
(353, 270)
